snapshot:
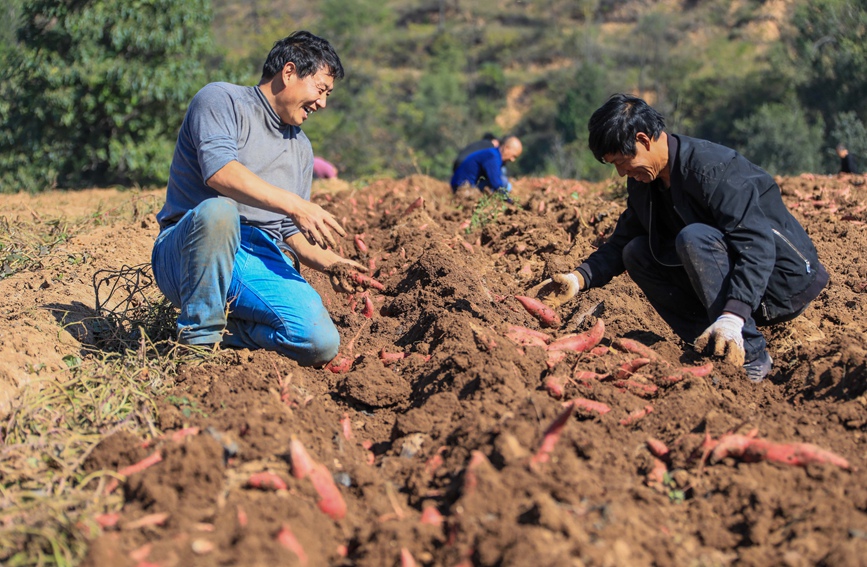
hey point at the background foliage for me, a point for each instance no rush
(92, 92)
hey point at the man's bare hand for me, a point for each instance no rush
(559, 289)
(347, 276)
(315, 223)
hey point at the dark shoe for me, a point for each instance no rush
(759, 368)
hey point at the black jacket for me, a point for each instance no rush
(776, 269)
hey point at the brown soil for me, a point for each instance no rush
(454, 424)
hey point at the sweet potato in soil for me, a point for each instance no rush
(480, 392)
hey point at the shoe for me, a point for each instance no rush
(758, 368)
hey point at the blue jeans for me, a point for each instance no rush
(225, 276)
(690, 297)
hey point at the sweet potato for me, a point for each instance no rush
(555, 386)
(389, 358)
(586, 375)
(366, 281)
(266, 481)
(148, 461)
(339, 364)
(638, 388)
(330, 499)
(367, 311)
(287, 539)
(527, 337)
(795, 454)
(471, 479)
(627, 369)
(636, 415)
(554, 357)
(359, 244)
(635, 347)
(582, 341)
(417, 204)
(431, 516)
(546, 316)
(406, 558)
(657, 448)
(346, 426)
(551, 435)
(302, 464)
(591, 405)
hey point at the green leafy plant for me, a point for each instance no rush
(187, 407)
(675, 495)
(487, 209)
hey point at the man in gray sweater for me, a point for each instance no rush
(238, 220)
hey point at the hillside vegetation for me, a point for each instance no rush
(780, 80)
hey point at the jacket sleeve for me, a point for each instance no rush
(494, 173)
(732, 198)
(607, 262)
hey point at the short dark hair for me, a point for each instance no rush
(615, 124)
(309, 52)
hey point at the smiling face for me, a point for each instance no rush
(300, 97)
(649, 162)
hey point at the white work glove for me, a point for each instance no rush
(728, 340)
(563, 288)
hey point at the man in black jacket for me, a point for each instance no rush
(705, 235)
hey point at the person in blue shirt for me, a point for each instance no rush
(485, 169)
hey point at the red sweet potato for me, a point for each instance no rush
(287, 539)
(638, 388)
(330, 499)
(406, 558)
(635, 347)
(582, 341)
(551, 435)
(266, 481)
(527, 337)
(636, 415)
(431, 516)
(591, 405)
(389, 358)
(138, 467)
(657, 448)
(366, 281)
(302, 464)
(555, 386)
(417, 204)
(359, 244)
(339, 364)
(586, 375)
(627, 369)
(795, 454)
(546, 316)
(368, 307)
(346, 426)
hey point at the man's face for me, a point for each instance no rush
(301, 97)
(645, 165)
(511, 151)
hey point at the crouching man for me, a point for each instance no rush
(237, 219)
(705, 235)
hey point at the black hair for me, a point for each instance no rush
(488, 136)
(309, 52)
(615, 124)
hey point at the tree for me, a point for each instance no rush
(780, 138)
(831, 46)
(95, 90)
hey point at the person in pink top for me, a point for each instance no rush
(323, 169)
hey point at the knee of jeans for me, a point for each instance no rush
(690, 236)
(219, 217)
(323, 343)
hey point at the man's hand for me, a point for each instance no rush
(340, 276)
(315, 223)
(559, 289)
(727, 336)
